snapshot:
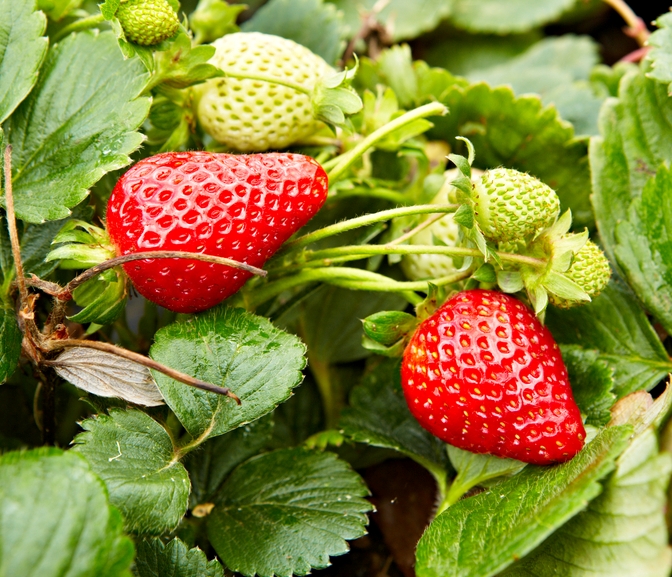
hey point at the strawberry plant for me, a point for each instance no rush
(335, 287)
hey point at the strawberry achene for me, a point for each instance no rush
(243, 207)
(483, 374)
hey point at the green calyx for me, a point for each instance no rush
(147, 22)
(83, 245)
(510, 205)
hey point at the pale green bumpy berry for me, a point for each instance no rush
(443, 232)
(513, 206)
(147, 22)
(256, 115)
(590, 270)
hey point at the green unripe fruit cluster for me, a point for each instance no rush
(590, 270)
(513, 206)
(147, 22)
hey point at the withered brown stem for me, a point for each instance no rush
(11, 224)
(145, 361)
(66, 292)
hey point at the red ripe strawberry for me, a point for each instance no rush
(483, 374)
(242, 207)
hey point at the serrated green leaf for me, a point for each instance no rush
(10, 343)
(518, 132)
(134, 456)
(311, 23)
(55, 519)
(643, 247)
(286, 512)
(231, 348)
(660, 52)
(635, 141)
(330, 324)
(69, 132)
(592, 380)
(622, 532)
(514, 16)
(154, 559)
(215, 459)
(403, 20)
(22, 50)
(482, 535)
(557, 69)
(378, 415)
(615, 327)
(396, 65)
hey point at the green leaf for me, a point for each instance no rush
(518, 132)
(330, 324)
(482, 535)
(614, 326)
(154, 559)
(622, 532)
(558, 70)
(134, 456)
(286, 512)
(660, 52)
(402, 19)
(22, 50)
(378, 415)
(311, 23)
(78, 123)
(216, 458)
(10, 343)
(514, 16)
(55, 519)
(231, 348)
(644, 250)
(474, 469)
(635, 141)
(592, 381)
(58, 9)
(212, 19)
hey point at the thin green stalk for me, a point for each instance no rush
(351, 278)
(269, 79)
(382, 193)
(366, 220)
(340, 164)
(79, 25)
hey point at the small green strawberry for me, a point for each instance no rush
(590, 270)
(513, 206)
(147, 22)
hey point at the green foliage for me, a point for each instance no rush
(614, 326)
(660, 54)
(22, 50)
(312, 23)
(230, 348)
(286, 512)
(68, 133)
(213, 18)
(51, 502)
(378, 416)
(134, 456)
(154, 559)
(10, 343)
(484, 534)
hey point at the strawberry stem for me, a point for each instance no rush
(269, 79)
(144, 361)
(337, 166)
(13, 231)
(366, 220)
(351, 278)
(77, 25)
(66, 292)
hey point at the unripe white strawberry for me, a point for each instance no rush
(590, 270)
(513, 206)
(256, 115)
(443, 232)
(147, 22)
